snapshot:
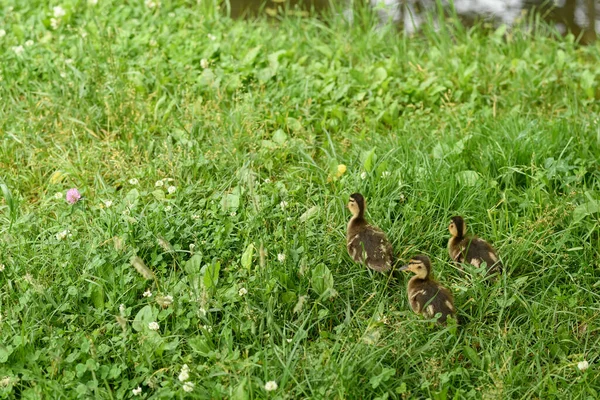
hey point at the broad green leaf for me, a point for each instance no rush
(211, 275)
(585, 209)
(274, 59)
(234, 83)
(143, 318)
(240, 392)
(251, 55)
(380, 74)
(279, 136)
(265, 74)
(368, 159)
(322, 279)
(384, 376)
(308, 214)
(192, 266)
(10, 200)
(439, 151)
(201, 345)
(97, 296)
(467, 178)
(268, 144)
(207, 78)
(293, 124)
(5, 352)
(247, 256)
(460, 145)
(158, 195)
(131, 199)
(230, 202)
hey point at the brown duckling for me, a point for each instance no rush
(366, 243)
(471, 249)
(425, 295)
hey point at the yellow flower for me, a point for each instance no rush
(341, 170)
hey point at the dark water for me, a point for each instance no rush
(580, 17)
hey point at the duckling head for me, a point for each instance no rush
(357, 205)
(457, 227)
(419, 265)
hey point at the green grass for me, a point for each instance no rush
(502, 129)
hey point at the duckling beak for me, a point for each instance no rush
(404, 268)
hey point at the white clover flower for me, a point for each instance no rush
(18, 49)
(211, 37)
(171, 189)
(281, 257)
(54, 23)
(137, 391)
(133, 181)
(2, 267)
(152, 3)
(243, 292)
(363, 175)
(58, 12)
(204, 63)
(122, 309)
(153, 326)
(2, 33)
(192, 246)
(202, 312)
(188, 386)
(168, 208)
(289, 340)
(29, 43)
(283, 205)
(385, 174)
(233, 213)
(583, 365)
(92, 2)
(58, 195)
(184, 375)
(270, 386)
(107, 203)
(147, 293)
(159, 183)
(207, 328)
(4, 382)
(164, 301)
(267, 180)
(62, 235)
(195, 216)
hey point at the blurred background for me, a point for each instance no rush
(579, 17)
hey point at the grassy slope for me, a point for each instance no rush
(278, 109)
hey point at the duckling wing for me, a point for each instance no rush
(372, 247)
(480, 251)
(431, 298)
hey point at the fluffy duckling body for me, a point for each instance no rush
(366, 243)
(425, 295)
(471, 249)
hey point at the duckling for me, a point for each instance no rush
(471, 249)
(367, 243)
(425, 295)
